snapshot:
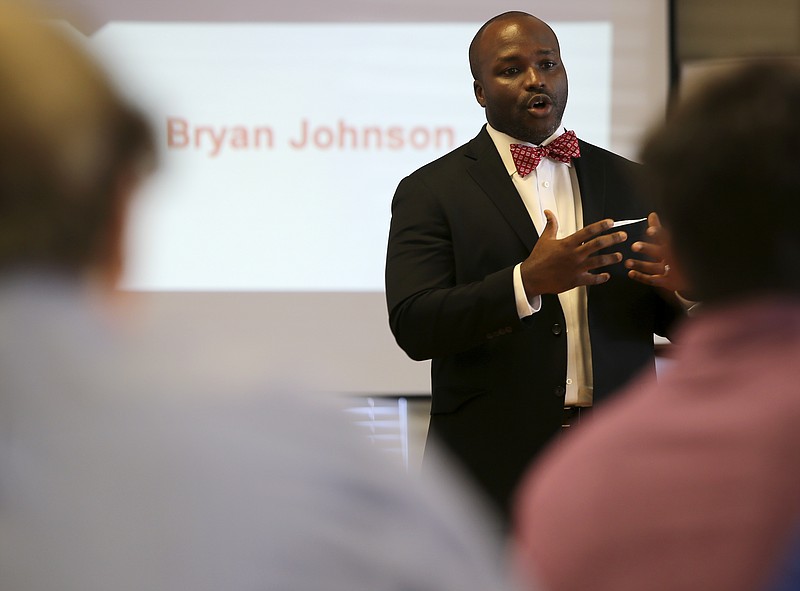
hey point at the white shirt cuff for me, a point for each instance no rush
(525, 306)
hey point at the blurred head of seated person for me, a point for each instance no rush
(71, 151)
(126, 466)
(691, 482)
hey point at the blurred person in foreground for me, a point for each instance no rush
(127, 466)
(705, 494)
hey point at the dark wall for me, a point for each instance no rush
(720, 29)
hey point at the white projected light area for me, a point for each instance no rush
(281, 144)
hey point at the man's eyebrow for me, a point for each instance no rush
(511, 57)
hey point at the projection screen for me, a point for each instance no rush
(282, 133)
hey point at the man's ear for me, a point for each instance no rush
(112, 264)
(476, 86)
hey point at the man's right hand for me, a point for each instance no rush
(555, 266)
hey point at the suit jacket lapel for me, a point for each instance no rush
(486, 168)
(592, 183)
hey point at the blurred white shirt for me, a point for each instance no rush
(124, 466)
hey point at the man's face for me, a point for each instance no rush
(521, 82)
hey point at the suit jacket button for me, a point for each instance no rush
(560, 391)
(556, 329)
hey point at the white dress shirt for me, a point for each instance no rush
(554, 186)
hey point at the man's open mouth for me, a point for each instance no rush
(540, 103)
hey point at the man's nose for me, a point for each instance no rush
(534, 78)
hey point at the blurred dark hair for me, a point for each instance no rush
(67, 141)
(724, 171)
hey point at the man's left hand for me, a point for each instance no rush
(657, 269)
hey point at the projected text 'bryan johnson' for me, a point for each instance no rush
(213, 140)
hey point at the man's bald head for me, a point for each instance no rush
(474, 53)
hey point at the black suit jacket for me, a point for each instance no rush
(458, 229)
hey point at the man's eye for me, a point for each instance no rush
(548, 65)
(510, 71)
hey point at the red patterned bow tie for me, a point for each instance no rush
(563, 149)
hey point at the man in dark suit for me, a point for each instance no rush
(505, 274)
